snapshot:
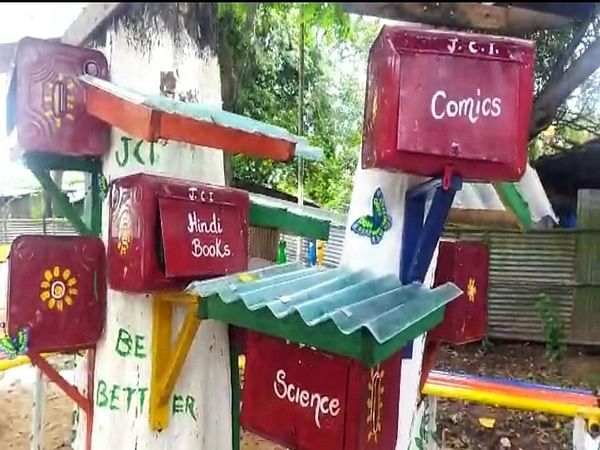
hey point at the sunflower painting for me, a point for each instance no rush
(58, 287)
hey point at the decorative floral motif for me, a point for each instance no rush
(375, 225)
(11, 348)
(471, 290)
(375, 404)
(58, 288)
(124, 233)
(59, 100)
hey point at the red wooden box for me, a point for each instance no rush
(438, 98)
(57, 289)
(47, 100)
(165, 232)
(309, 400)
(466, 263)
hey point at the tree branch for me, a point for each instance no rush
(567, 53)
(553, 95)
(593, 129)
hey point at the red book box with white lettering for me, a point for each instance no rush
(440, 99)
(165, 232)
(307, 399)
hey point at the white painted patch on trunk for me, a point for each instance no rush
(384, 258)
(122, 421)
(582, 439)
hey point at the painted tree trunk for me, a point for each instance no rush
(582, 438)
(384, 258)
(169, 51)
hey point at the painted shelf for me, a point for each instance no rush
(153, 117)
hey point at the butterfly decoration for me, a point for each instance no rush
(11, 348)
(375, 225)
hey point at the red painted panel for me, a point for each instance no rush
(157, 223)
(466, 263)
(50, 100)
(437, 98)
(202, 239)
(373, 403)
(357, 406)
(56, 288)
(294, 396)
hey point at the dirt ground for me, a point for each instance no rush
(457, 422)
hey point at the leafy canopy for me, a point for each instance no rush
(259, 56)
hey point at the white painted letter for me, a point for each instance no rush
(279, 379)
(452, 108)
(334, 407)
(433, 99)
(484, 108)
(496, 107)
(304, 397)
(452, 45)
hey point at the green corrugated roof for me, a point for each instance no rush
(356, 314)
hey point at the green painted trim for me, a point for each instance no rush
(46, 161)
(236, 394)
(513, 200)
(288, 222)
(96, 213)
(62, 201)
(360, 345)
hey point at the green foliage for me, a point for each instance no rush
(259, 58)
(577, 120)
(259, 52)
(553, 328)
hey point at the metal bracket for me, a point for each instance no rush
(41, 164)
(167, 361)
(85, 402)
(422, 232)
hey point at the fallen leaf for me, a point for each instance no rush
(487, 422)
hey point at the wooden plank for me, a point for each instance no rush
(162, 314)
(88, 22)
(577, 11)
(478, 16)
(288, 222)
(484, 218)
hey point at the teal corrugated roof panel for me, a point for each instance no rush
(299, 303)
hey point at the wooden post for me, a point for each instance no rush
(38, 405)
(144, 43)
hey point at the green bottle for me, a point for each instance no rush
(281, 256)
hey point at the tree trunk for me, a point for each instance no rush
(145, 40)
(383, 259)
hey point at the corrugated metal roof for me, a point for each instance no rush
(11, 228)
(522, 266)
(351, 300)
